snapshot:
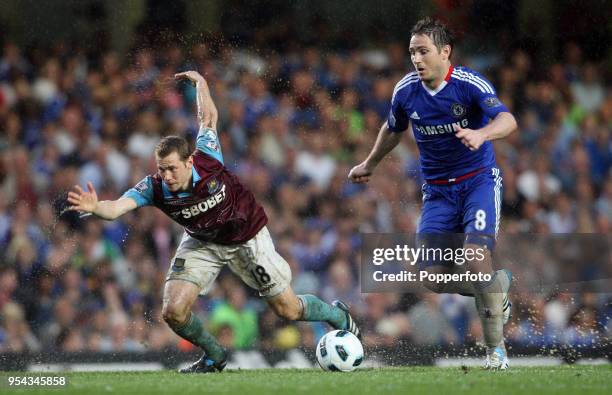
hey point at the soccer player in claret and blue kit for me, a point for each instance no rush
(454, 114)
(224, 225)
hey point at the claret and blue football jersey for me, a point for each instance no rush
(217, 209)
(464, 99)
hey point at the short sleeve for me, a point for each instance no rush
(141, 193)
(208, 143)
(483, 94)
(397, 121)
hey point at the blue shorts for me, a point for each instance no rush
(471, 206)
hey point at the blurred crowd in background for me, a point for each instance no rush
(291, 126)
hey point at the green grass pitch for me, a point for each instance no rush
(558, 380)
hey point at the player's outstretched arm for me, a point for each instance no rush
(207, 111)
(87, 202)
(385, 142)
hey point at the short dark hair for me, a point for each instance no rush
(439, 33)
(170, 144)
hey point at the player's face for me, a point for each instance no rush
(175, 173)
(429, 62)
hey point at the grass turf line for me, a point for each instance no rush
(558, 380)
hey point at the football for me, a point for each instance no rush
(339, 351)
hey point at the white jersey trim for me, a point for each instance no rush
(474, 80)
(477, 78)
(498, 198)
(407, 80)
(433, 92)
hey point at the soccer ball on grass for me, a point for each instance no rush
(339, 351)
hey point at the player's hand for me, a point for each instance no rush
(472, 139)
(192, 76)
(81, 200)
(207, 111)
(360, 173)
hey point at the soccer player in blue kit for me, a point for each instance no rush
(454, 114)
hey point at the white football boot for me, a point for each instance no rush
(497, 358)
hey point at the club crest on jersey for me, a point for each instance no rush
(458, 110)
(141, 186)
(213, 186)
(213, 145)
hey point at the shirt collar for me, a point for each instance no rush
(444, 82)
(449, 73)
(195, 177)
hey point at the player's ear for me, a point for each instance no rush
(189, 161)
(446, 51)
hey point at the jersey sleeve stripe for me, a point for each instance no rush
(475, 77)
(479, 85)
(471, 77)
(406, 78)
(469, 81)
(402, 84)
(484, 81)
(401, 87)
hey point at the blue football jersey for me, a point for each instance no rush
(464, 99)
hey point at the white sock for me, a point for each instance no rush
(489, 300)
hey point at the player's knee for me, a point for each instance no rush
(175, 314)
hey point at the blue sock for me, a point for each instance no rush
(317, 310)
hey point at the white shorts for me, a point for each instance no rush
(256, 262)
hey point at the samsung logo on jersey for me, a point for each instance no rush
(442, 129)
(204, 206)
